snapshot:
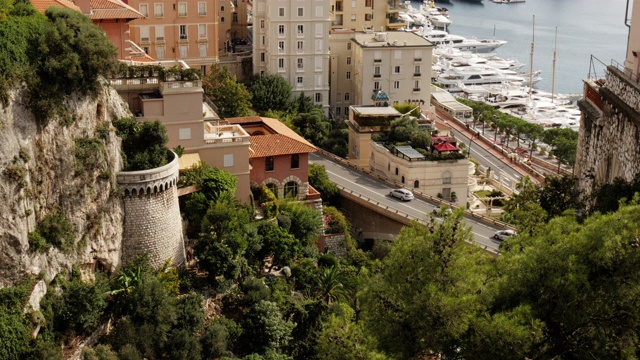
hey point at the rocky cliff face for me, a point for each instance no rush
(68, 165)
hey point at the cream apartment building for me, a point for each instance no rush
(291, 38)
(179, 30)
(358, 15)
(397, 62)
(234, 21)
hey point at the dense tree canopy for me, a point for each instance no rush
(144, 144)
(270, 92)
(231, 97)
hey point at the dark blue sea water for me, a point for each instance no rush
(585, 28)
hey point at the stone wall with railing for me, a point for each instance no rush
(152, 223)
(609, 133)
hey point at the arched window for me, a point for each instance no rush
(291, 189)
(396, 170)
(347, 96)
(389, 166)
(416, 184)
(273, 188)
(402, 180)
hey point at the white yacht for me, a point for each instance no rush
(475, 75)
(446, 40)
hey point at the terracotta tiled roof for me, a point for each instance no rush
(145, 58)
(112, 9)
(277, 144)
(274, 124)
(43, 5)
(283, 129)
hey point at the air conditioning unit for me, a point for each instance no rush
(381, 36)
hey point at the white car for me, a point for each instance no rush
(402, 194)
(504, 234)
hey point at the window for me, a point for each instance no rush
(300, 63)
(182, 9)
(261, 24)
(235, 17)
(144, 34)
(446, 177)
(295, 161)
(353, 17)
(221, 19)
(202, 31)
(202, 50)
(318, 97)
(346, 110)
(184, 134)
(203, 70)
(158, 10)
(280, 12)
(348, 46)
(300, 29)
(416, 70)
(376, 85)
(145, 49)
(159, 33)
(300, 45)
(396, 69)
(347, 96)
(376, 71)
(416, 85)
(348, 75)
(368, 3)
(144, 9)
(228, 160)
(184, 50)
(396, 84)
(202, 8)
(268, 163)
(280, 29)
(338, 111)
(291, 189)
(348, 60)
(262, 56)
(280, 46)
(402, 181)
(222, 8)
(281, 63)
(417, 55)
(300, 12)
(396, 170)
(183, 32)
(299, 80)
(416, 184)
(160, 52)
(368, 17)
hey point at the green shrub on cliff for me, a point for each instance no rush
(144, 144)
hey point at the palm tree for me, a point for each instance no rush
(330, 284)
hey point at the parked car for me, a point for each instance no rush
(402, 194)
(504, 235)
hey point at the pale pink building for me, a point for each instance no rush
(178, 30)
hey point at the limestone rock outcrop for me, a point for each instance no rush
(45, 169)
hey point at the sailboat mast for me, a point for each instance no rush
(553, 78)
(533, 37)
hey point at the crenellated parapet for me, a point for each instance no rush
(152, 224)
(150, 181)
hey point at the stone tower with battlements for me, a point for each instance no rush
(152, 222)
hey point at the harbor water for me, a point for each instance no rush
(585, 28)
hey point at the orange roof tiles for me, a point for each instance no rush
(144, 58)
(112, 9)
(43, 5)
(277, 144)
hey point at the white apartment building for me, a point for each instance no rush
(291, 38)
(397, 62)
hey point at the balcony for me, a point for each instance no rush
(224, 134)
(395, 6)
(395, 23)
(417, 59)
(377, 60)
(377, 75)
(416, 89)
(417, 74)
